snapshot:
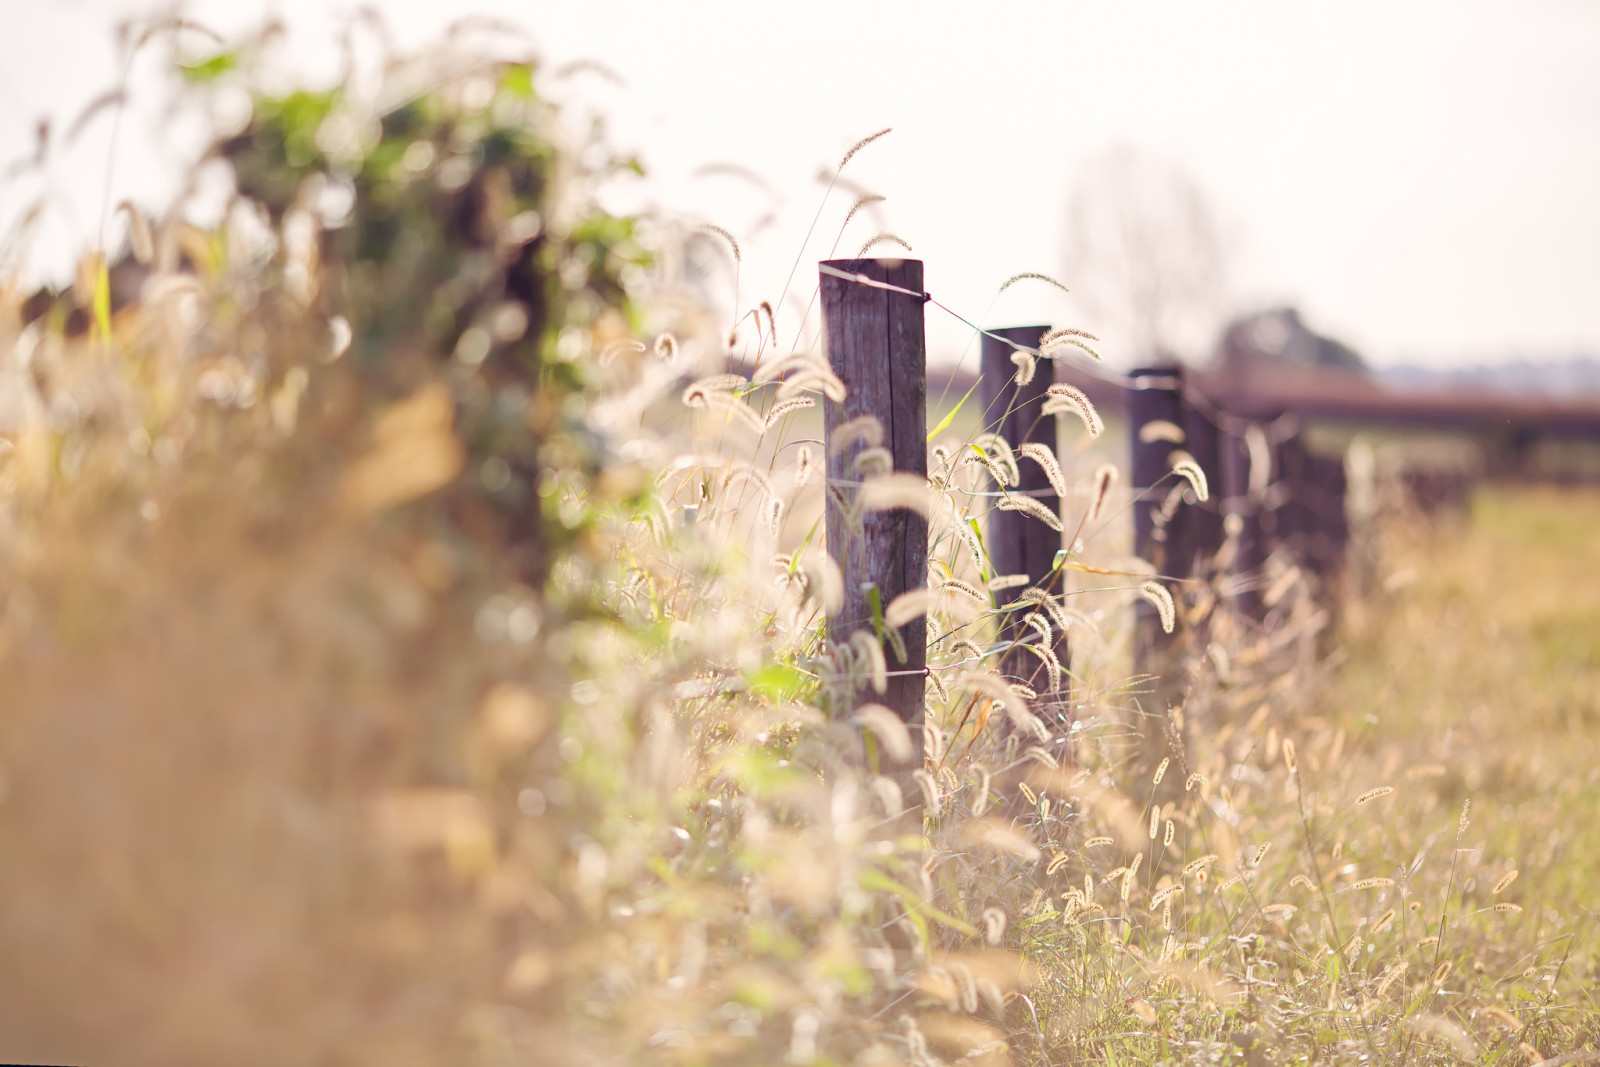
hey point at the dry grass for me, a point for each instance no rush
(306, 758)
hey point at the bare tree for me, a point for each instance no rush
(1145, 252)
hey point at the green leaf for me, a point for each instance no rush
(944, 423)
(518, 80)
(794, 557)
(102, 298)
(209, 69)
(875, 602)
(876, 880)
(776, 681)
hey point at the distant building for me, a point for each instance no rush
(1278, 338)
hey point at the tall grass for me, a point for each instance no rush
(414, 652)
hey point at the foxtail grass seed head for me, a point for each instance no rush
(1504, 883)
(1194, 867)
(1384, 921)
(1052, 664)
(1161, 600)
(772, 321)
(1026, 366)
(998, 471)
(1255, 860)
(1466, 818)
(1127, 884)
(1507, 906)
(1373, 794)
(1096, 842)
(1029, 506)
(1155, 822)
(863, 429)
(1389, 978)
(861, 202)
(802, 467)
(786, 407)
(1185, 467)
(1301, 881)
(1441, 972)
(738, 257)
(1137, 858)
(1171, 831)
(882, 238)
(1373, 883)
(994, 925)
(1069, 399)
(1074, 338)
(1057, 863)
(1160, 430)
(615, 348)
(1105, 476)
(1040, 453)
(1031, 276)
(1033, 798)
(873, 461)
(1289, 755)
(956, 585)
(141, 240)
(1161, 769)
(859, 145)
(1195, 780)
(1052, 337)
(667, 347)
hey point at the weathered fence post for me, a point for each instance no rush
(877, 348)
(1160, 531)
(1203, 441)
(1155, 430)
(1017, 542)
(1245, 474)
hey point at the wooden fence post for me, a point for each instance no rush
(1202, 440)
(1155, 418)
(1017, 542)
(877, 348)
(1241, 490)
(1161, 535)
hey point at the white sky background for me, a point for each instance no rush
(1422, 180)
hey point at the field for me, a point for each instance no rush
(415, 651)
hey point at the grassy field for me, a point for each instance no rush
(1483, 659)
(382, 685)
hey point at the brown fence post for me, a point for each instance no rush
(877, 348)
(1202, 440)
(1160, 532)
(1017, 542)
(1155, 418)
(1241, 510)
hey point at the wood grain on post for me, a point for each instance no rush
(877, 348)
(1017, 542)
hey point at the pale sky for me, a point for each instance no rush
(1422, 180)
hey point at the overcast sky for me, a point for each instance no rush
(1420, 179)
